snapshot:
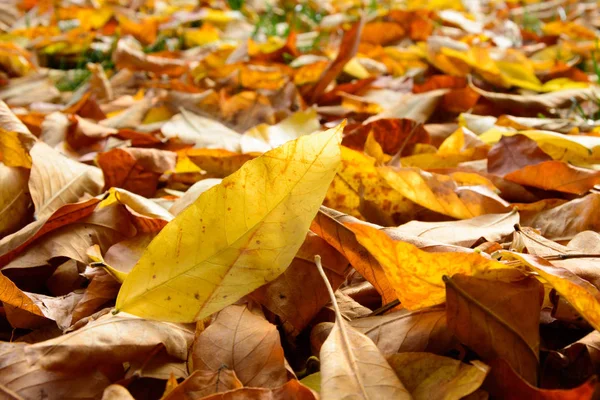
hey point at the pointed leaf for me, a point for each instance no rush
(266, 209)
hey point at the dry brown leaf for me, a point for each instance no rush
(12, 245)
(428, 376)
(135, 170)
(298, 294)
(104, 227)
(107, 341)
(33, 381)
(101, 289)
(514, 152)
(242, 340)
(565, 221)
(405, 331)
(56, 180)
(467, 232)
(497, 319)
(205, 383)
(292, 390)
(350, 359)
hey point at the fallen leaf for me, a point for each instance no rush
(556, 175)
(12, 245)
(497, 319)
(467, 232)
(564, 221)
(107, 341)
(428, 376)
(56, 180)
(440, 193)
(291, 390)
(581, 294)
(104, 227)
(408, 331)
(416, 275)
(15, 200)
(226, 250)
(298, 294)
(135, 170)
(31, 380)
(512, 153)
(243, 341)
(504, 382)
(329, 226)
(204, 383)
(348, 358)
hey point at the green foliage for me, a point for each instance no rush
(235, 4)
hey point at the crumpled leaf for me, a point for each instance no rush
(428, 376)
(232, 244)
(242, 340)
(416, 275)
(497, 319)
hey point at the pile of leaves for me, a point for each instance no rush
(299, 200)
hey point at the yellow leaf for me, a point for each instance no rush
(416, 275)
(236, 236)
(358, 175)
(442, 194)
(201, 36)
(580, 293)
(355, 69)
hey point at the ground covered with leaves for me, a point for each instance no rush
(299, 200)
